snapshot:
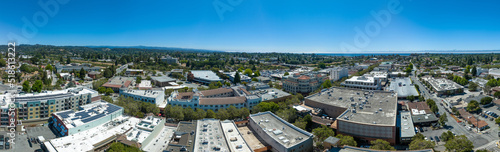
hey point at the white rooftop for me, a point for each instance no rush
(365, 79)
(84, 141)
(281, 131)
(206, 75)
(145, 84)
(233, 136)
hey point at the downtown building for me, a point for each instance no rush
(69, 122)
(338, 73)
(363, 82)
(366, 115)
(225, 97)
(303, 82)
(279, 134)
(156, 97)
(42, 105)
(443, 87)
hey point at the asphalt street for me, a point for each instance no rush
(479, 140)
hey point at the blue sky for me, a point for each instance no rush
(257, 25)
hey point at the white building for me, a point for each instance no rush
(151, 96)
(338, 73)
(205, 76)
(69, 122)
(495, 72)
(363, 82)
(279, 134)
(94, 138)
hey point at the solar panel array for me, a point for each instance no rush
(86, 115)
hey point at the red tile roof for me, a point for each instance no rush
(216, 91)
(304, 77)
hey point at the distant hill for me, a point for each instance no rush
(155, 47)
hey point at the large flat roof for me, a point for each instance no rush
(206, 75)
(281, 131)
(91, 112)
(52, 95)
(370, 106)
(443, 84)
(403, 86)
(209, 136)
(184, 136)
(270, 93)
(234, 138)
(85, 140)
(145, 93)
(163, 79)
(406, 124)
(365, 79)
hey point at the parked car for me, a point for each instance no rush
(432, 139)
(437, 138)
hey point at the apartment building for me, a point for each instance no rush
(303, 82)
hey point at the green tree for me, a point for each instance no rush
(233, 112)
(288, 114)
(107, 99)
(323, 132)
(248, 72)
(380, 144)
(37, 87)
(443, 119)
(459, 144)
(255, 79)
(327, 84)
(346, 140)
(68, 60)
(309, 123)
(107, 73)
(177, 113)
(411, 98)
(473, 106)
(421, 144)
(244, 112)
(3, 63)
(256, 73)
(473, 86)
(109, 91)
(119, 147)
(237, 78)
(445, 136)
(222, 114)
(497, 94)
(189, 114)
(474, 71)
(210, 114)
(486, 100)
(82, 73)
(266, 106)
(26, 86)
(300, 123)
(286, 73)
(321, 65)
(482, 150)
(138, 79)
(49, 67)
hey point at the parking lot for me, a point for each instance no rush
(21, 142)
